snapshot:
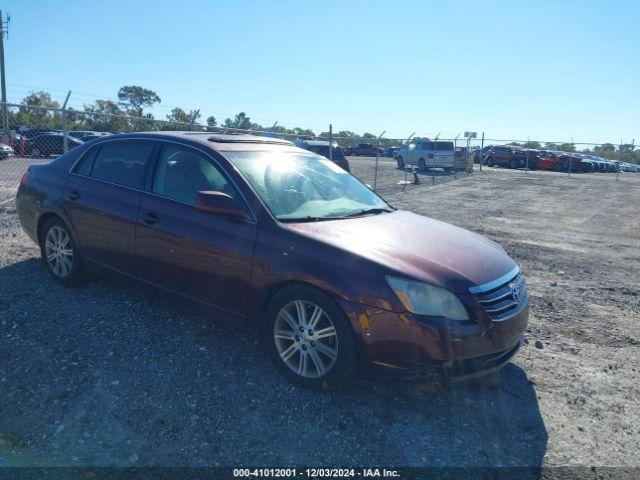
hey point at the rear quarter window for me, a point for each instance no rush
(86, 163)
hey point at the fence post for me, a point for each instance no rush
(330, 142)
(619, 161)
(375, 171)
(404, 184)
(481, 156)
(65, 134)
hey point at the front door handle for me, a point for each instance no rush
(150, 218)
(74, 195)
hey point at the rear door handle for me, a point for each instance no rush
(74, 195)
(150, 218)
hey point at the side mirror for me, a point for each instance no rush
(219, 202)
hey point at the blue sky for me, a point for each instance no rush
(549, 70)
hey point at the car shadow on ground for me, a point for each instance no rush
(109, 375)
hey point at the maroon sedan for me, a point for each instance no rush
(284, 242)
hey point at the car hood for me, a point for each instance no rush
(414, 246)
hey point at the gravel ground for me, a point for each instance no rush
(110, 375)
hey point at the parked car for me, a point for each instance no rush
(479, 155)
(568, 161)
(546, 160)
(427, 154)
(512, 156)
(363, 150)
(321, 147)
(50, 144)
(93, 136)
(390, 152)
(83, 134)
(587, 164)
(5, 151)
(277, 240)
(28, 133)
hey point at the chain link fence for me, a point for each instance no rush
(36, 134)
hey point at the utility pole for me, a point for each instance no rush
(4, 28)
(65, 133)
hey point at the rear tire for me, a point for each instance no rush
(490, 162)
(316, 355)
(60, 254)
(513, 164)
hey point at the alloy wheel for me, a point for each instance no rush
(306, 339)
(58, 251)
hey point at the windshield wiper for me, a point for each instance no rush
(307, 219)
(358, 213)
(367, 211)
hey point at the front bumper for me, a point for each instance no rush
(460, 370)
(407, 346)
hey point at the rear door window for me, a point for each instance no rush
(123, 163)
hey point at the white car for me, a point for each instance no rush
(5, 151)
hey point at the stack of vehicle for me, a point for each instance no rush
(513, 156)
(44, 142)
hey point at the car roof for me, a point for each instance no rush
(314, 143)
(215, 141)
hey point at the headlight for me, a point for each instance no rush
(424, 299)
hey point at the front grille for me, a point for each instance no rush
(503, 301)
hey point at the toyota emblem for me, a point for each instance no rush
(515, 293)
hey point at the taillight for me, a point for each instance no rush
(25, 177)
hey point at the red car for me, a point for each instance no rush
(363, 150)
(283, 242)
(511, 156)
(547, 160)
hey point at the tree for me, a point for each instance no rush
(137, 97)
(532, 144)
(180, 116)
(39, 112)
(607, 147)
(627, 147)
(567, 147)
(40, 99)
(240, 121)
(368, 135)
(211, 121)
(306, 132)
(105, 121)
(345, 134)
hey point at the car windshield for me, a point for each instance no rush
(305, 187)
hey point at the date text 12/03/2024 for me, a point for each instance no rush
(315, 473)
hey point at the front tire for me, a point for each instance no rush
(490, 162)
(60, 253)
(400, 162)
(422, 165)
(309, 338)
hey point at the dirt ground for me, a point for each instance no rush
(109, 375)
